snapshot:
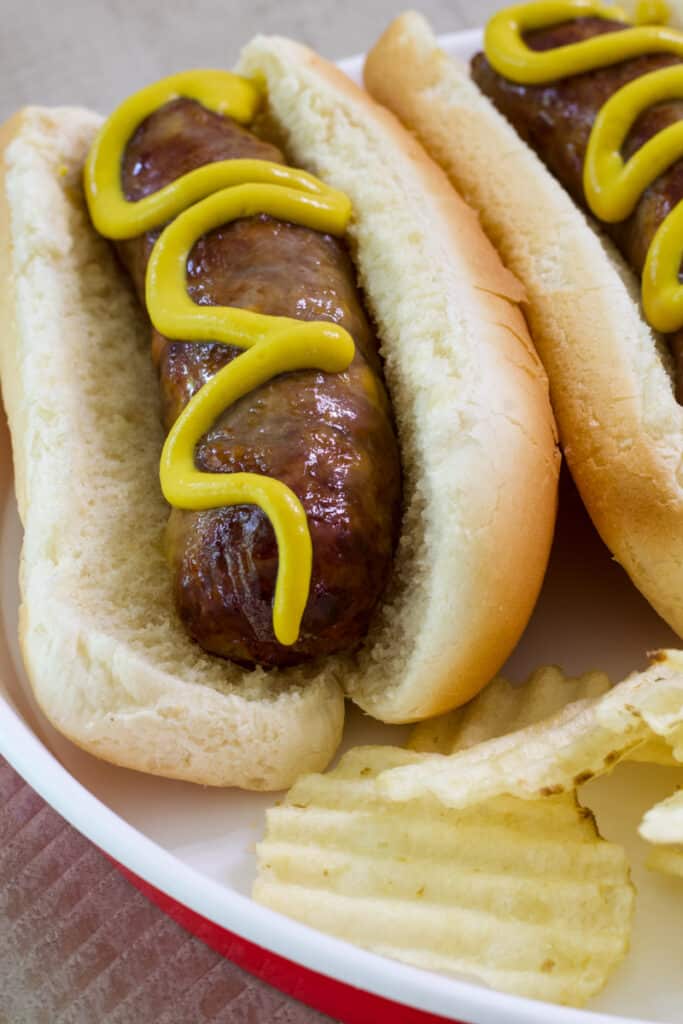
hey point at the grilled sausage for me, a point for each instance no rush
(329, 437)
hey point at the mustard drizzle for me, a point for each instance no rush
(612, 186)
(198, 202)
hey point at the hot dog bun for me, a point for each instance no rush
(620, 425)
(108, 660)
(107, 657)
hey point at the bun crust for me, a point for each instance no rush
(620, 425)
(107, 657)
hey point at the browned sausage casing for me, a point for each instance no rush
(556, 121)
(329, 437)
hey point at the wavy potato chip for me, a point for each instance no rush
(663, 823)
(655, 751)
(586, 738)
(663, 826)
(523, 895)
(502, 708)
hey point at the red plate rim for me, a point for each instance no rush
(319, 991)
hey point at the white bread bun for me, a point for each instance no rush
(107, 657)
(620, 425)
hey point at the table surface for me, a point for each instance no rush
(78, 943)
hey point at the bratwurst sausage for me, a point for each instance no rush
(329, 437)
(556, 120)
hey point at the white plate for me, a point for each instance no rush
(197, 845)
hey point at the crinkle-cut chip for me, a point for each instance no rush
(584, 739)
(675, 741)
(503, 708)
(667, 859)
(663, 823)
(523, 895)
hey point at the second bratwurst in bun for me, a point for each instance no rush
(572, 110)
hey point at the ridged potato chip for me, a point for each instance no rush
(502, 708)
(586, 738)
(663, 823)
(521, 894)
(663, 826)
(655, 751)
